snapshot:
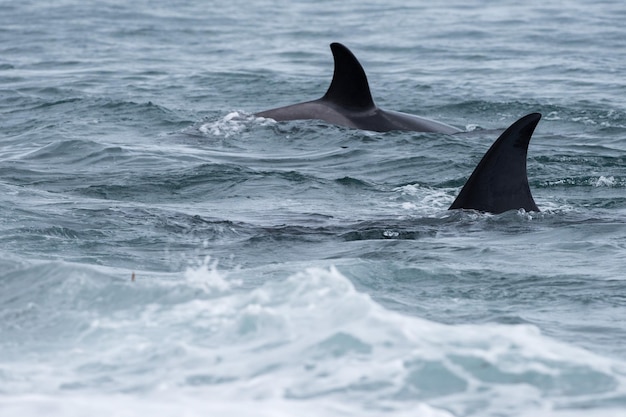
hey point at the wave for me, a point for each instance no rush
(308, 339)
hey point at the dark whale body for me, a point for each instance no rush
(348, 102)
(498, 184)
(500, 181)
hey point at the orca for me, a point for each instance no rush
(500, 181)
(348, 102)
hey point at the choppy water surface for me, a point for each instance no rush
(164, 252)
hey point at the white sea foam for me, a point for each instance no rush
(309, 344)
(230, 125)
(206, 275)
(603, 181)
(175, 405)
(424, 200)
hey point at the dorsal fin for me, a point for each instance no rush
(499, 182)
(349, 87)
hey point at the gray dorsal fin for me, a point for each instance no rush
(499, 182)
(349, 87)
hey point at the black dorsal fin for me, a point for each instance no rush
(499, 182)
(349, 87)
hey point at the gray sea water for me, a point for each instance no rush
(163, 252)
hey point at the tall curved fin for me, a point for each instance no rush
(500, 182)
(349, 87)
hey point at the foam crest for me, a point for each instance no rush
(307, 341)
(314, 335)
(603, 181)
(415, 197)
(205, 275)
(230, 125)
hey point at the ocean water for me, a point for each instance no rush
(163, 252)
